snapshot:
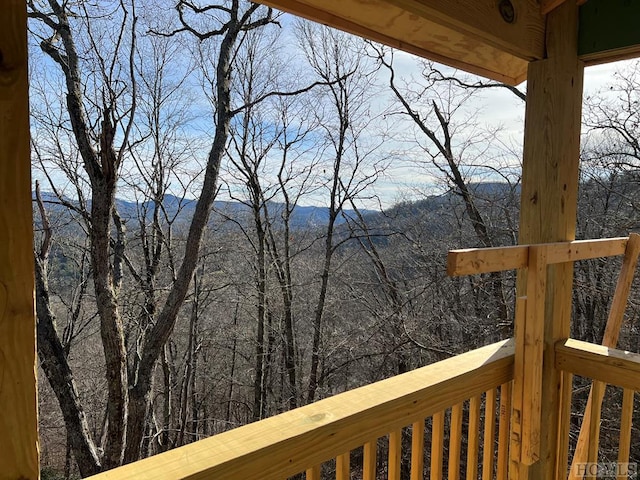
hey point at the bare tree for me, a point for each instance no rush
(433, 106)
(350, 166)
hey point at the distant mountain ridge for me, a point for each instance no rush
(181, 210)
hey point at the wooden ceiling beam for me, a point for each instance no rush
(513, 26)
(489, 38)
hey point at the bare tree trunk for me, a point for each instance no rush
(159, 334)
(56, 367)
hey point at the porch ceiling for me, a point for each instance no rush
(492, 38)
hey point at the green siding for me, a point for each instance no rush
(608, 25)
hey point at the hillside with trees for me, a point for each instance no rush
(213, 240)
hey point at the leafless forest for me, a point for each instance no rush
(185, 286)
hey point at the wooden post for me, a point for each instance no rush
(18, 401)
(549, 200)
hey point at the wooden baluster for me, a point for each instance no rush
(313, 473)
(369, 460)
(597, 389)
(343, 467)
(417, 450)
(455, 442)
(564, 427)
(489, 434)
(437, 445)
(503, 431)
(473, 438)
(395, 451)
(626, 415)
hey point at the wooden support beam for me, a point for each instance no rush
(18, 400)
(549, 200)
(471, 261)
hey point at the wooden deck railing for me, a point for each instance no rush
(605, 366)
(347, 433)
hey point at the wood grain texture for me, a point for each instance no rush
(314, 473)
(417, 450)
(486, 260)
(489, 437)
(455, 442)
(564, 421)
(550, 177)
(609, 365)
(502, 462)
(437, 445)
(343, 467)
(468, 34)
(395, 454)
(18, 398)
(370, 452)
(626, 421)
(289, 443)
(473, 438)
(533, 354)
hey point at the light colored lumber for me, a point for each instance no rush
(369, 462)
(564, 425)
(471, 261)
(313, 473)
(610, 339)
(626, 420)
(517, 401)
(18, 399)
(473, 438)
(597, 390)
(502, 467)
(437, 445)
(417, 450)
(609, 365)
(289, 443)
(533, 349)
(395, 452)
(461, 34)
(455, 442)
(550, 178)
(343, 467)
(621, 294)
(488, 450)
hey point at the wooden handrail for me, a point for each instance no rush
(300, 439)
(609, 365)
